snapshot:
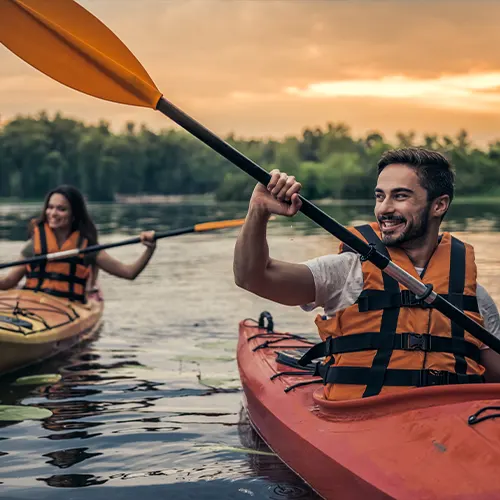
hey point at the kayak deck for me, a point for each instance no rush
(414, 445)
(35, 326)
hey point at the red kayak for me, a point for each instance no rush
(440, 442)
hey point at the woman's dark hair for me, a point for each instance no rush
(81, 219)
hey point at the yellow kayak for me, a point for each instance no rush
(35, 326)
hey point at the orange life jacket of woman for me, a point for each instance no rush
(389, 341)
(65, 278)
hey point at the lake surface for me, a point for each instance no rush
(152, 408)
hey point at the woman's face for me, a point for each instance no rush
(58, 212)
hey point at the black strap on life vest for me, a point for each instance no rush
(402, 341)
(67, 278)
(455, 292)
(388, 325)
(390, 300)
(395, 377)
(374, 300)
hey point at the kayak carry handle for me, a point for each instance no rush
(265, 315)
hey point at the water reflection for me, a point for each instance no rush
(70, 435)
(66, 458)
(90, 404)
(287, 484)
(139, 408)
(72, 480)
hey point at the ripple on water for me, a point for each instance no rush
(152, 407)
(123, 425)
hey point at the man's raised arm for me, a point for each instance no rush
(254, 270)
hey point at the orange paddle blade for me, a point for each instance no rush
(66, 42)
(221, 224)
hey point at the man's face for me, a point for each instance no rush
(401, 205)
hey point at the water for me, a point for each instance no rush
(152, 408)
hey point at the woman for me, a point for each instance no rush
(65, 225)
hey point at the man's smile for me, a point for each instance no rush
(391, 225)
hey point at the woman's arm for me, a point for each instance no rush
(128, 271)
(92, 281)
(13, 277)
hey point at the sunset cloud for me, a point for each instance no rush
(271, 68)
(479, 91)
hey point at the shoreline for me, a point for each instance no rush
(210, 199)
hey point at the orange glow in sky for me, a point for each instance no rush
(262, 68)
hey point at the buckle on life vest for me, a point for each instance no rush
(434, 377)
(408, 299)
(417, 342)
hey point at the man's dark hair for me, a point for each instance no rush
(434, 171)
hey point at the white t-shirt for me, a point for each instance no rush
(338, 279)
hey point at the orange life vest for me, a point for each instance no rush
(389, 341)
(65, 278)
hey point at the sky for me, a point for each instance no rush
(270, 68)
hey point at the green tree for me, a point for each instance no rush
(39, 152)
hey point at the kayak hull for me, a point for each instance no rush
(35, 326)
(414, 445)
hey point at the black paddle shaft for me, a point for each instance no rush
(367, 252)
(96, 248)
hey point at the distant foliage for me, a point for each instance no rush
(37, 153)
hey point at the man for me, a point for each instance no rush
(381, 339)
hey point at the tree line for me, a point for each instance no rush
(40, 152)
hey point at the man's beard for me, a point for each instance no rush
(411, 232)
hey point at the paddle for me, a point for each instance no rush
(197, 228)
(72, 46)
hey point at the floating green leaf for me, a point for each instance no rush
(48, 378)
(20, 413)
